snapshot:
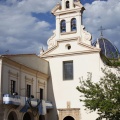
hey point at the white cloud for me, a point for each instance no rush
(37, 5)
(21, 32)
(106, 14)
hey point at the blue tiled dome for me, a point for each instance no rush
(107, 48)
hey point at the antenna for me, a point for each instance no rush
(101, 30)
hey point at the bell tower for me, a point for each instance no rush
(67, 4)
(70, 55)
(68, 15)
(68, 18)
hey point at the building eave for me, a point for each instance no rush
(57, 7)
(24, 67)
(92, 49)
(68, 11)
(72, 53)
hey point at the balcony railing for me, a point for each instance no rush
(27, 103)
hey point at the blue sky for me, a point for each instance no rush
(26, 25)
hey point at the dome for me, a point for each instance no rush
(107, 48)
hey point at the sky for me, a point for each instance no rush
(26, 25)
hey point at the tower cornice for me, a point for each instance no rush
(57, 7)
(67, 11)
(57, 10)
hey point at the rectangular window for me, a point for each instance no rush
(28, 90)
(41, 94)
(68, 70)
(13, 86)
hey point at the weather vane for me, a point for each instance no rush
(101, 29)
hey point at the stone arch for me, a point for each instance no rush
(12, 116)
(68, 118)
(66, 113)
(28, 116)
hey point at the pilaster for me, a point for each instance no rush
(57, 27)
(78, 19)
(71, 4)
(63, 4)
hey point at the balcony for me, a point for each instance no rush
(27, 103)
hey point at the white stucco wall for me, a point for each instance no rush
(6, 78)
(67, 18)
(85, 59)
(23, 76)
(65, 90)
(32, 61)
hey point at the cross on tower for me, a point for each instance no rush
(101, 29)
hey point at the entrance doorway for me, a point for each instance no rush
(12, 116)
(68, 118)
(69, 114)
(27, 116)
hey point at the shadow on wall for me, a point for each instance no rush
(52, 113)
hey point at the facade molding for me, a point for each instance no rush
(29, 80)
(68, 11)
(72, 53)
(58, 11)
(12, 74)
(66, 40)
(71, 32)
(41, 84)
(25, 68)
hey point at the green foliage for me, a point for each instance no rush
(103, 96)
(110, 62)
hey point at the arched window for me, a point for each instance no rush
(67, 4)
(63, 26)
(73, 24)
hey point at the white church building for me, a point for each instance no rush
(52, 77)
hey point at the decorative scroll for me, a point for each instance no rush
(86, 36)
(51, 41)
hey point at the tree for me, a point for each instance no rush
(103, 96)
